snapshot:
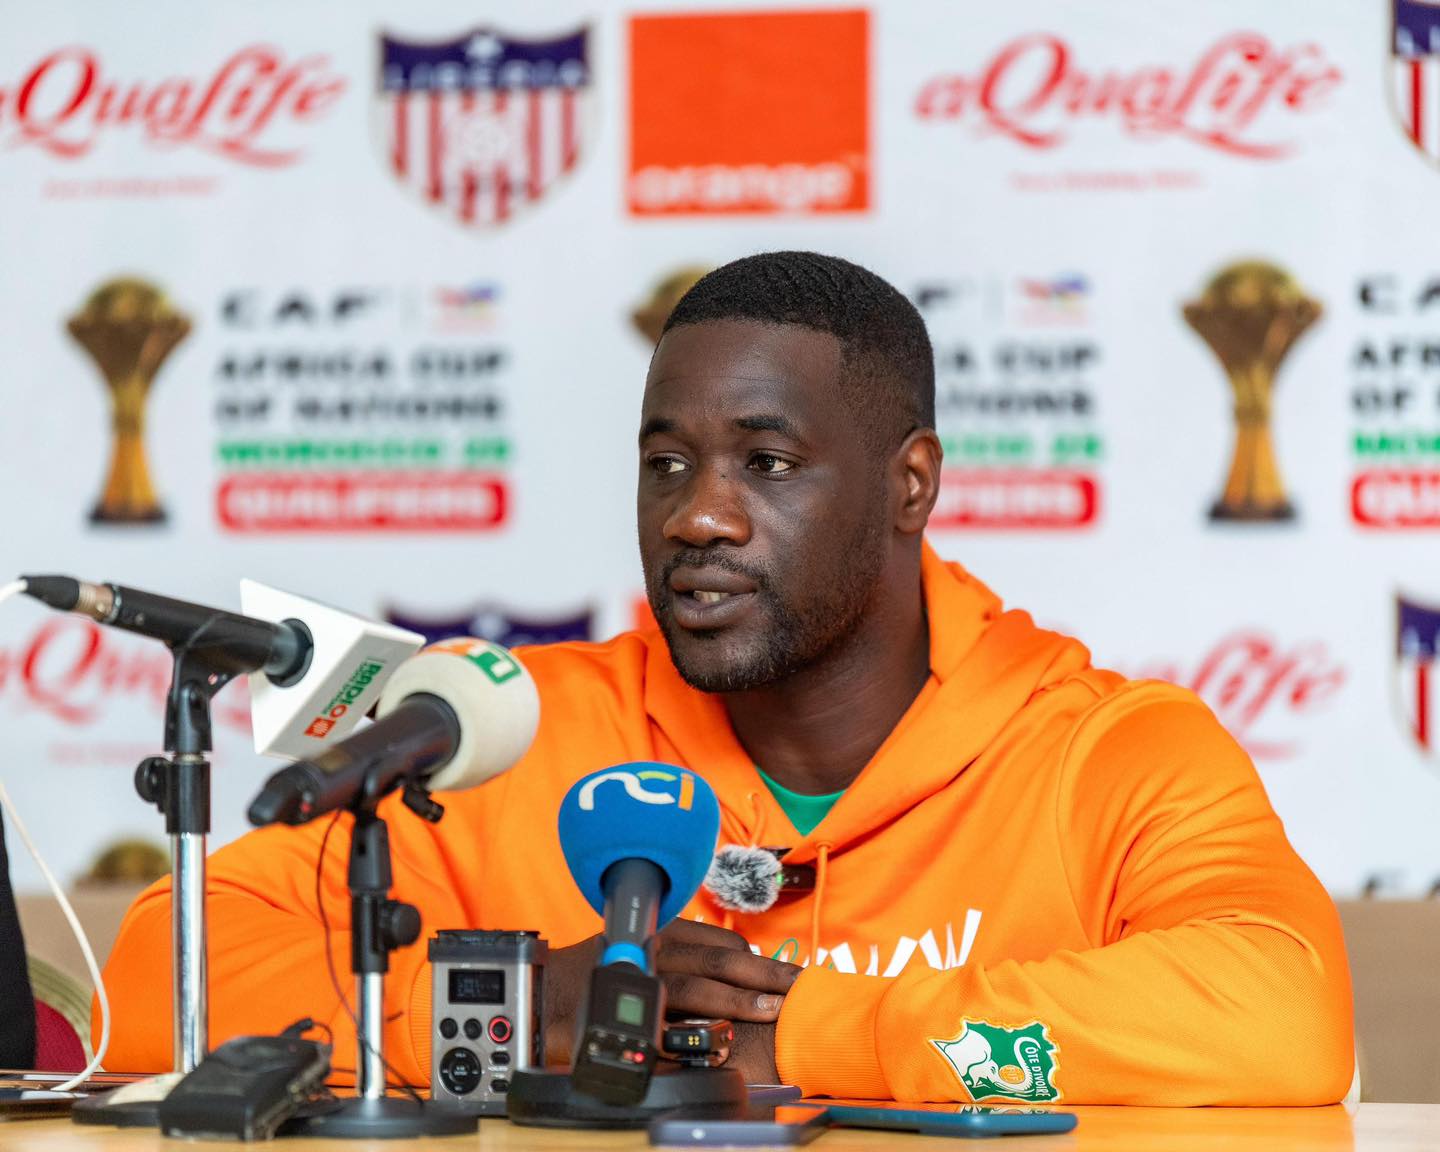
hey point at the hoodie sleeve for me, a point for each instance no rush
(266, 953)
(1217, 973)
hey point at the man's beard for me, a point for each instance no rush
(790, 640)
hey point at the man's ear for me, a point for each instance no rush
(916, 471)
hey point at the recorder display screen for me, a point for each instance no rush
(477, 986)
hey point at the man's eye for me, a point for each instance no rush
(771, 465)
(666, 465)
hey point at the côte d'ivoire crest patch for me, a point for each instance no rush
(999, 1063)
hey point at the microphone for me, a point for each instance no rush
(281, 651)
(638, 839)
(451, 717)
(315, 670)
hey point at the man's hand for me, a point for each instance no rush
(567, 978)
(708, 971)
(753, 1053)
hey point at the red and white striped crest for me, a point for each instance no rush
(1417, 671)
(483, 126)
(1414, 72)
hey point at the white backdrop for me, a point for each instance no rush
(1052, 183)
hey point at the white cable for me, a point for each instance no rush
(14, 588)
(81, 938)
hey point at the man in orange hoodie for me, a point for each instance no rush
(1025, 879)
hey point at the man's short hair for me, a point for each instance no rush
(886, 354)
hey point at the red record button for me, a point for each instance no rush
(500, 1029)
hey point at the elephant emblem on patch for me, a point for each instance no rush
(994, 1062)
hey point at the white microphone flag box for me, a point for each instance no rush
(352, 661)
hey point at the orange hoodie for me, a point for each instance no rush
(1050, 884)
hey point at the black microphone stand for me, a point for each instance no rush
(377, 926)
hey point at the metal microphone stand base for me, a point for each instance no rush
(388, 1118)
(548, 1100)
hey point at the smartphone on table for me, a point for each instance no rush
(781, 1125)
(951, 1119)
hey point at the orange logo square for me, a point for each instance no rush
(749, 113)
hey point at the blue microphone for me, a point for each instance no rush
(639, 839)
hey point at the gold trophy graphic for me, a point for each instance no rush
(129, 328)
(649, 319)
(1251, 314)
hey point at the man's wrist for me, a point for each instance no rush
(825, 1041)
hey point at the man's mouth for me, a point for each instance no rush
(705, 599)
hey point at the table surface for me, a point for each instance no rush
(1374, 1128)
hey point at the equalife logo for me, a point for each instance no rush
(1234, 97)
(483, 126)
(73, 671)
(749, 112)
(1261, 688)
(246, 109)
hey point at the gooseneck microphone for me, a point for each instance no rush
(452, 716)
(282, 651)
(638, 839)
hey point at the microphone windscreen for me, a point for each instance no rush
(641, 810)
(494, 698)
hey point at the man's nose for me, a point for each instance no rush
(710, 509)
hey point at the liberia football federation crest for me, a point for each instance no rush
(1414, 73)
(1417, 641)
(482, 127)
